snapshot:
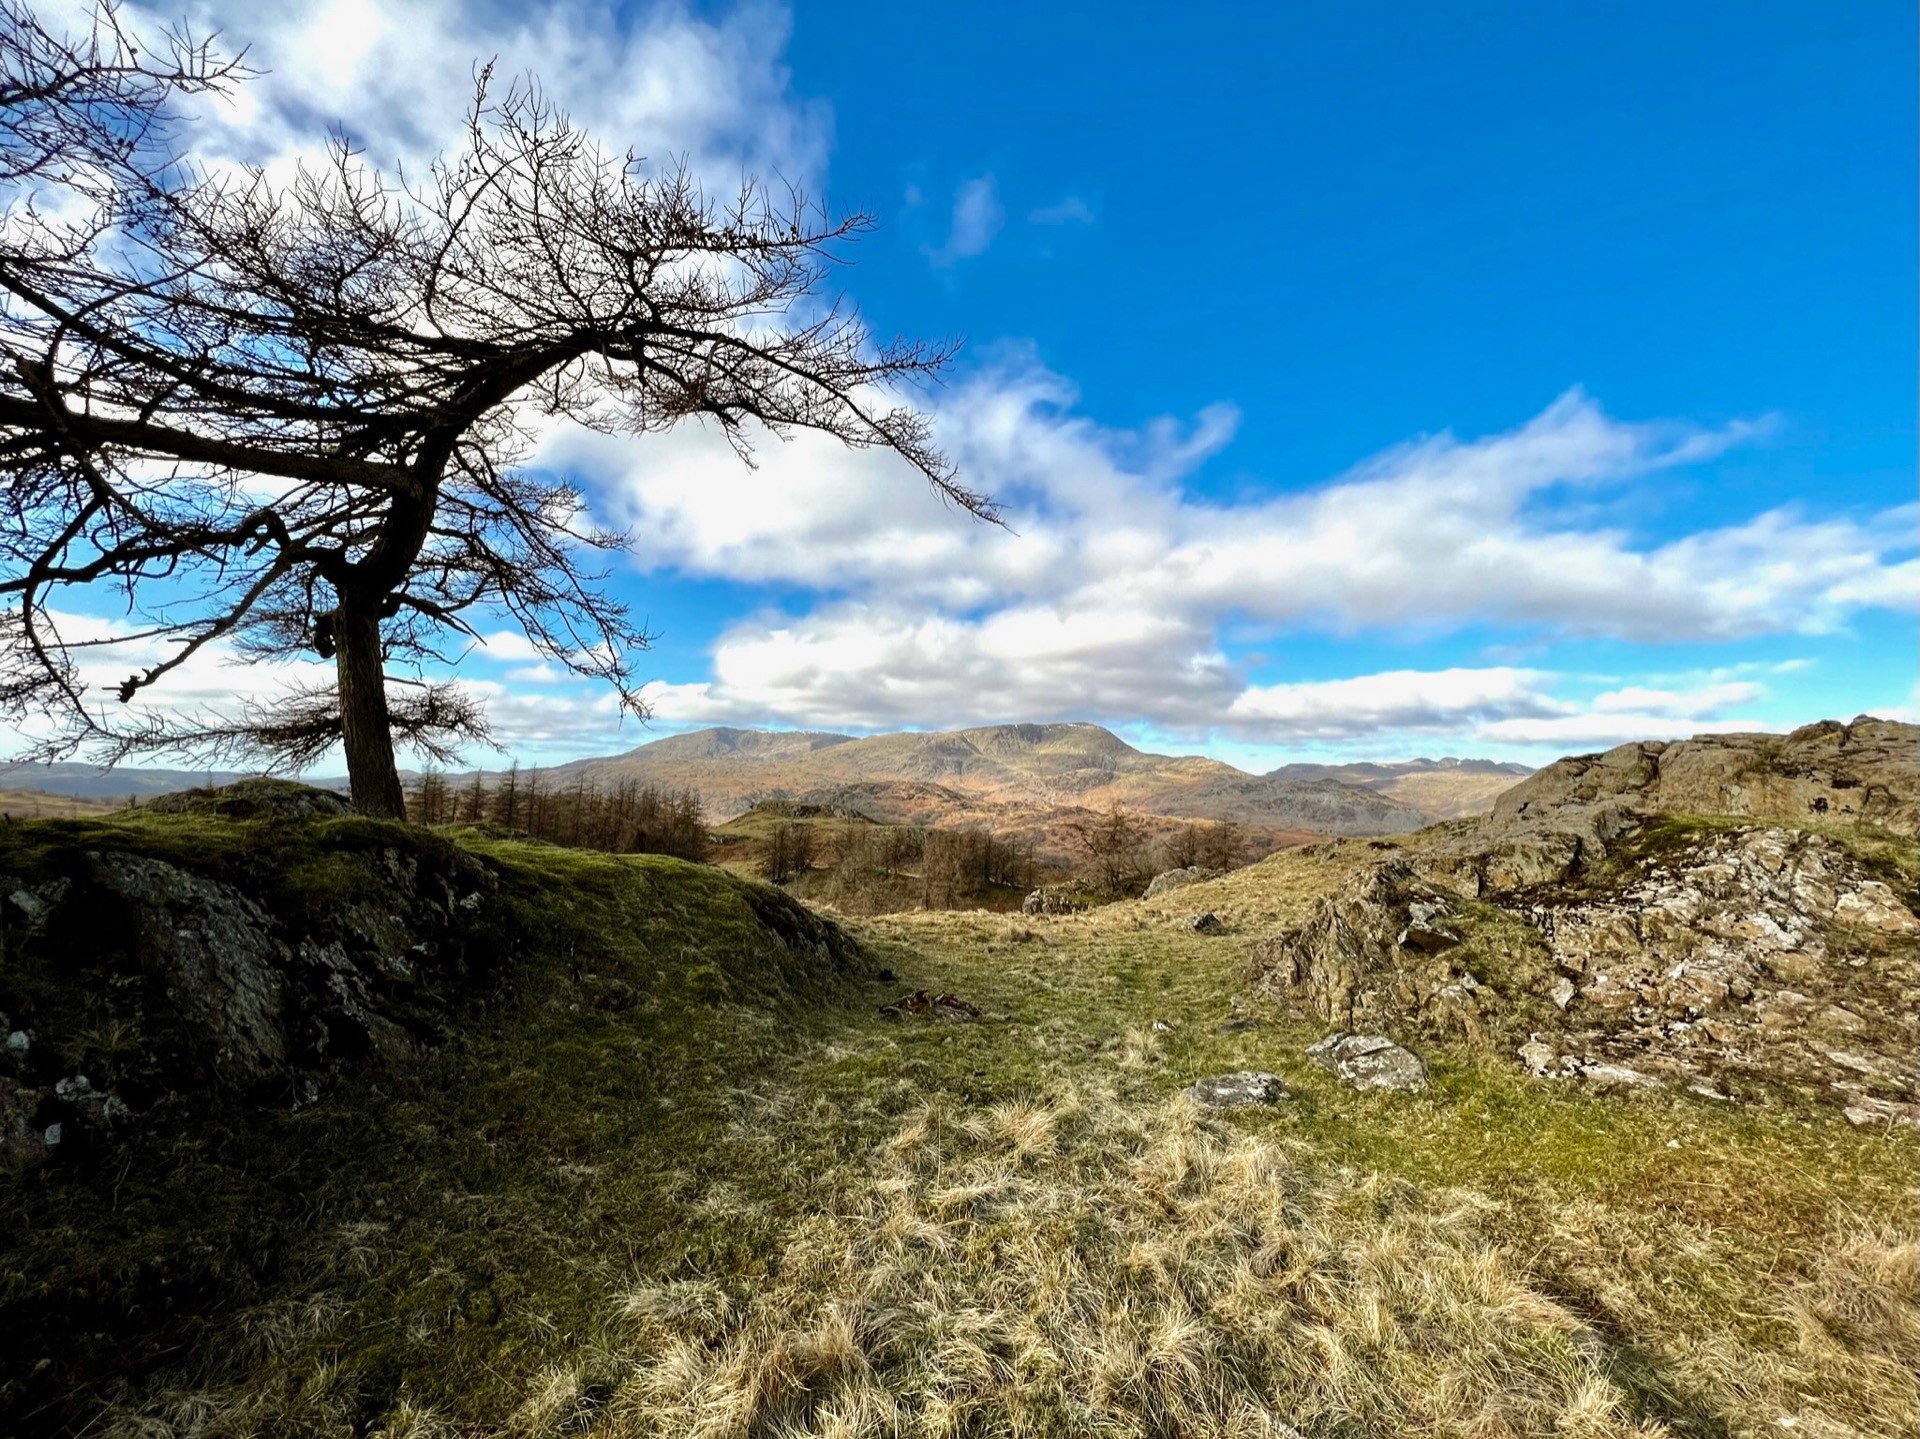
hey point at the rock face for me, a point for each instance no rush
(1169, 880)
(1738, 961)
(1866, 772)
(1369, 1061)
(212, 988)
(1240, 1090)
(1381, 950)
(1749, 956)
(217, 968)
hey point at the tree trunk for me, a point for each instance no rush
(364, 728)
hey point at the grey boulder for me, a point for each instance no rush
(1369, 1061)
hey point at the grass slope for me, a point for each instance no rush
(738, 1201)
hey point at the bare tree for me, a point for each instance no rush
(74, 104)
(1223, 845)
(1111, 841)
(299, 416)
(787, 852)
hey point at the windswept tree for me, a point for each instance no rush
(298, 416)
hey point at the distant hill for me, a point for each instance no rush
(93, 781)
(1027, 765)
(1441, 788)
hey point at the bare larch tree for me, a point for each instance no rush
(297, 416)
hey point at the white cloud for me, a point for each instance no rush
(861, 669)
(666, 80)
(1068, 210)
(977, 218)
(1430, 537)
(1403, 701)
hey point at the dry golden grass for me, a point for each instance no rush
(1077, 1265)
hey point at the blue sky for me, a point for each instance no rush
(1362, 380)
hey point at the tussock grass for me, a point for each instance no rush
(1078, 1265)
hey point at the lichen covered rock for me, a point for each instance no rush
(1369, 1061)
(1171, 879)
(1243, 1089)
(1866, 772)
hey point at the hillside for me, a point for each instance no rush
(395, 1132)
(1026, 765)
(1439, 788)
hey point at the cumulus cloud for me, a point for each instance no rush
(1108, 596)
(977, 218)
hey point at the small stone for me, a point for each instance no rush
(1160, 1026)
(1838, 1019)
(1207, 922)
(29, 904)
(1239, 1090)
(1563, 992)
(52, 1137)
(1426, 938)
(1865, 1109)
(1538, 1056)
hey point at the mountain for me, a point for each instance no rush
(1026, 764)
(1440, 788)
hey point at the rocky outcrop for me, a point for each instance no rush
(271, 799)
(1169, 880)
(1053, 899)
(1748, 957)
(129, 978)
(1866, 772)
(1383, 950)
(1536, 847)
(1738, 961)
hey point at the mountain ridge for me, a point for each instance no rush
(1062, 764)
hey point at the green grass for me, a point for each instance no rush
(629, 1195)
